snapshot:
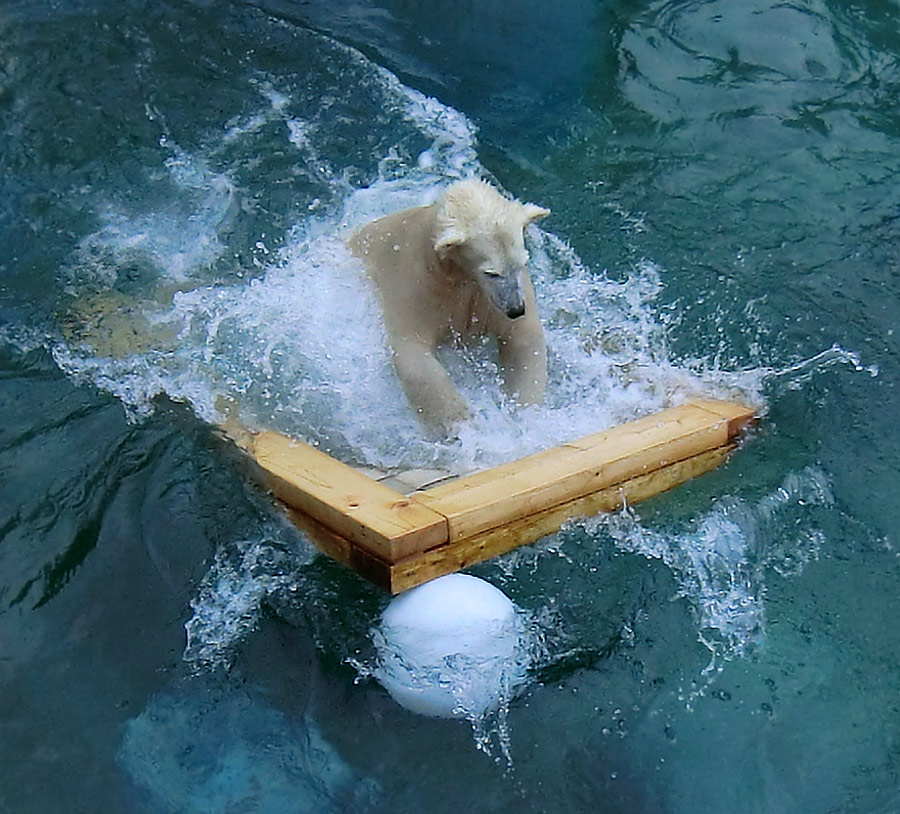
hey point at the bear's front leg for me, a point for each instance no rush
(428, 387)
(523, 358)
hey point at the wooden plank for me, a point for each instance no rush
(459, 554)
(362, 511)
(738, 416)
(338, 548)
(501, 496)
(398, 542)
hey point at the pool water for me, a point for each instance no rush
(176, 184)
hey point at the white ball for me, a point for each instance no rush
(450, 647)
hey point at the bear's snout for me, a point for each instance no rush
(516, 311)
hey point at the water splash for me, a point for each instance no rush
(230, 597)
(176, 239)
(721, 563)
(483, 686)
(799, 373)
(296, 339)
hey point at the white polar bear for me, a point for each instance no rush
(456, 268)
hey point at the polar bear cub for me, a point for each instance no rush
(456, 268)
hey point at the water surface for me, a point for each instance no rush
(177, 180)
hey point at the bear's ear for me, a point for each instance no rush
(534, 213)
(447, 240)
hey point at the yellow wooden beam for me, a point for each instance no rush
(361, 510)
(459, 554)
(451, 557)
(355, 557)
(398, 541)
(499, 496)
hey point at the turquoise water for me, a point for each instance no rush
(177, 179)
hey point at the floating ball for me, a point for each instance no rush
(450, 648)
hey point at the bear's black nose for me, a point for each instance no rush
(515, 311)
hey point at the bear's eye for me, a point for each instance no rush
(491, 272)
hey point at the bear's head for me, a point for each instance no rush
(481, 232)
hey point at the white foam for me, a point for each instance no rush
(168, 243)
(301, 347)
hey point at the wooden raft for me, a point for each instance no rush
(399, 541)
